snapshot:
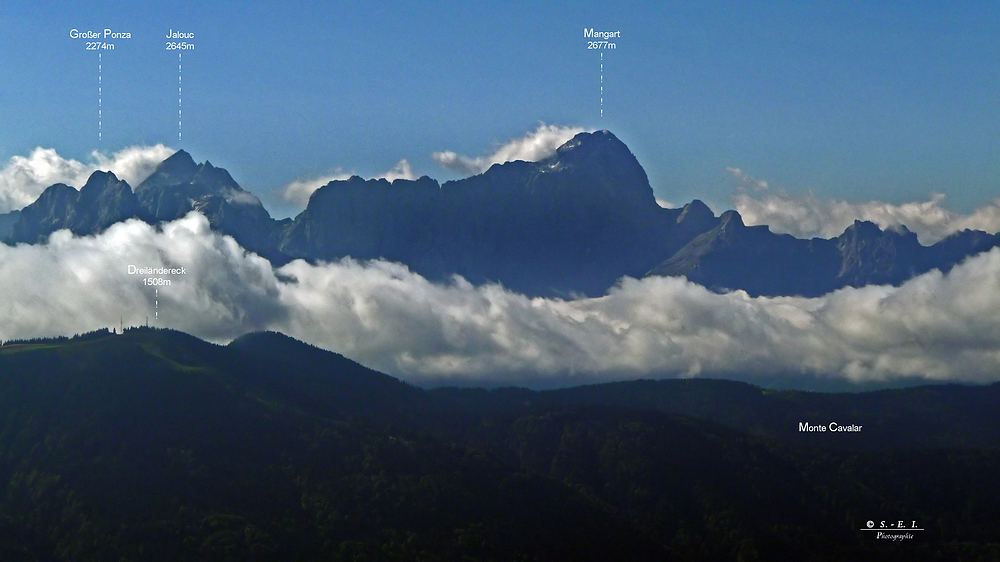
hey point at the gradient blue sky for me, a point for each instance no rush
(850, 100)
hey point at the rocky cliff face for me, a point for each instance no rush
(734, 256)
(175, 188)
(7, 222)
(574, 223)
(179, 186)
(103, 201)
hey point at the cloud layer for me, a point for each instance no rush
(299, 191)
(23, 179)
(935, 327)
(536, 145)
(806, 216)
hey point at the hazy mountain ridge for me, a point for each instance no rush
(7, 222)
(574, 223)
(101, 202)
(176, 187)
(156, 445)
(734, 256)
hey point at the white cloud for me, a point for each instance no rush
(133, 164)
(241, 197)
(401, 171)
(534, 146)
(935, 326)
(385, 316)
(299, 191)
(23, 179)
(805, 216)
(746, 180)
(72, 282)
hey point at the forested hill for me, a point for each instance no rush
(154, 445)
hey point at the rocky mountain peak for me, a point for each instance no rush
(862, 228)
(695, 211)
(598, 151)
(731, 220)
(587, 145)
(214, 179)
(99, 184)
(178, 168)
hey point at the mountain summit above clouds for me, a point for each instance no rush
(176, 187)
(574, 223)
(101, 202)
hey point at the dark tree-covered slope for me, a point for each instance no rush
(154, 445)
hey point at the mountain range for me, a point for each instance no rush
(155, 445)
(571, 224)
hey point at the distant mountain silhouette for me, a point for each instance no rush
(101, 202)
(176, 187)
(735, 256)
(574, 223)
(7, 222)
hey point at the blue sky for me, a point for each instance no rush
(848, 100)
